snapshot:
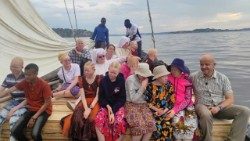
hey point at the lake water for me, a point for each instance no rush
(231, 50)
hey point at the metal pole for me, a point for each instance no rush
(73, 32)
(151, 24)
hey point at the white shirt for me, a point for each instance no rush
(133, 31)
(69, 75)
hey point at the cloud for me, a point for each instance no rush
(227, 17)
(166, 15)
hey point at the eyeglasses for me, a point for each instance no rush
(101, 56)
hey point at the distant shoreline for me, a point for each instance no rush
(202, 30)
(67, 33)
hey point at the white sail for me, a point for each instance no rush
(23, 33)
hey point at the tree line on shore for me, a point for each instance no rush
(66, 32)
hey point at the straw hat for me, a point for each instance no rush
(143, 70)
(160, 71)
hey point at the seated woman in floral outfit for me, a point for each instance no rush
(160, 97)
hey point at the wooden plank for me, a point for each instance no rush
(52, 129)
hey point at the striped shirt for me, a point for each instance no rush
(10, 81)
(210, 91)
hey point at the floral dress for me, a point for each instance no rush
(161, 96)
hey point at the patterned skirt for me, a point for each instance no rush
(78, 127)
(164, 128)
(139, 118)
(111, 131)
(185, 123)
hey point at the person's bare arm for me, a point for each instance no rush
(47, 102)
(229, 100)
(20, 105)
(6, 98)
(92, 105)
(7, 91)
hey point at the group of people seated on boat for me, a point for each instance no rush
(115, 93)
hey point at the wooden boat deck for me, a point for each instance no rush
(52, 129)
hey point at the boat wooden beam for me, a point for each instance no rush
(52, 129)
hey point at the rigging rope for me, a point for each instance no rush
(151, 24)
(70, 20)
(75, 18)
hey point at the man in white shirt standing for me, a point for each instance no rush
(133, 33)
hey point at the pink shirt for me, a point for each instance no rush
(125, 70)
(182, 90)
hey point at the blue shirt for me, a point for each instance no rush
(101, 34)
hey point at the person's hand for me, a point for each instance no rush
(86, 113)
(170, 114)
(111, 118)
(144, 83)
(11, 112)
(159, 112)
(214, 110)
(109, 108)
(31, 122)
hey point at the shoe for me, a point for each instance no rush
(70, 105)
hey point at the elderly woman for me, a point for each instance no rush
(100, 61)
(138, 115)
(87, 109)
(127, 47)
(159, 95)
(183, 113)
(151, 58)
(68, 73)
(129, 66)
(110, 52)
(110, 120)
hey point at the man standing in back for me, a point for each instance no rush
(133, 33)
(214, 99)
(101, 35)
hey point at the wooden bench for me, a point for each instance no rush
(52, 129)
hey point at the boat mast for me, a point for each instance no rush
(73, 32)
(75, 18)
(151, 24)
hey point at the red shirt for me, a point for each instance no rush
(36, 94)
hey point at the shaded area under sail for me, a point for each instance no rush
(23, 33)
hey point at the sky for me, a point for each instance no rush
(167, 15)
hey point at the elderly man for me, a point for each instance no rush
(14, 108)
(214, 98)
(79, 54)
